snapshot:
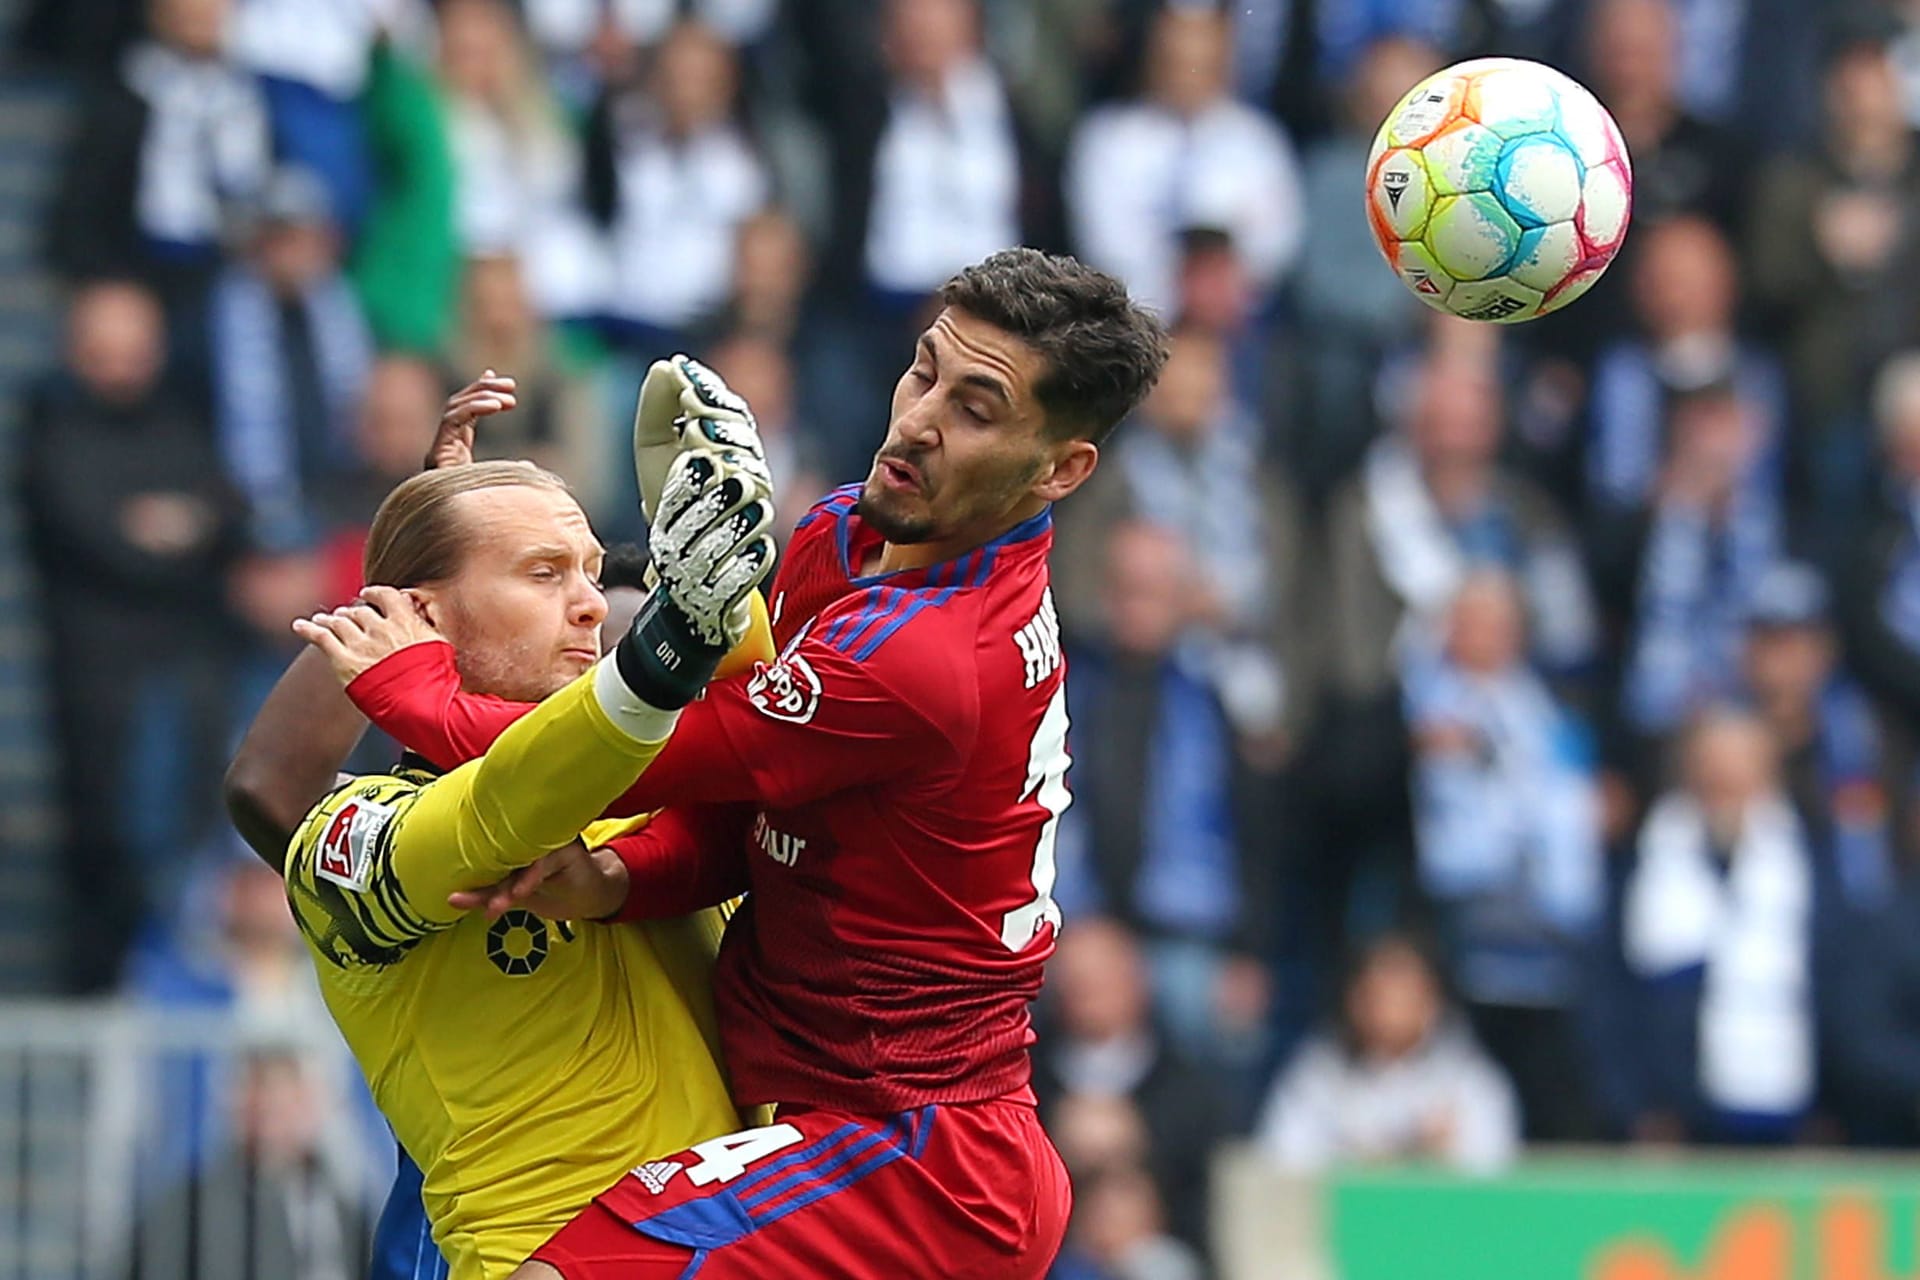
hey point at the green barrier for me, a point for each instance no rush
(1767, 1218)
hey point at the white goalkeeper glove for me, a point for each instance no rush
(711, 544)
(684, 405)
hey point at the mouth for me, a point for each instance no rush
(896, 474)
(587, 657)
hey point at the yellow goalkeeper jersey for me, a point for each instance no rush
(524, 1064)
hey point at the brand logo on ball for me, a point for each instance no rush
(1395, 181)
(1420, 115)
(1497, 308)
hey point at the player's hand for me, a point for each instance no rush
(571, 883)
(712, 544)
(684, 405)
(452, 446)
(356, 636)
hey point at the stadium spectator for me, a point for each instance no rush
(1183, 155)
(560, 421)
(132, 532)
(1111, 1084)
(1686, 290)
(1157, 835)
(1870, 1014)
(1398, 1078)
(1118, 1231)
(671, 176)
(1191, 463)
(1681, 163)
(1833, 246)
(406, 257)
(1715, 1036)
(164, 146)
(1879, 593)
(1703, 548)
(517, 163)
(290, 351)
(1507, 831)
(1432, 501)
(313, 59)
(1840, 776)
(285, 1189)
(760, 370)
(1358, 311)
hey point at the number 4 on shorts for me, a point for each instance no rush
(725, 1158)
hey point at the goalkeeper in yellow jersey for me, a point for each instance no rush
(520, 1062)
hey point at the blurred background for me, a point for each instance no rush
(1497, 752)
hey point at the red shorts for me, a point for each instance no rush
(948, 1191)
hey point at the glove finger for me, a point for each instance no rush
(724, 434)
(713, 509)
(704, 557)
(707, 390)
(689, 479)
(741, 573)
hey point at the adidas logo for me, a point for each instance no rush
(655, 1174)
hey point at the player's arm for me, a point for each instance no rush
(292, 753)
(294, 749)
(553, 770)
(413, 694)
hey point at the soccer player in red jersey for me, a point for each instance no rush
(889, 791)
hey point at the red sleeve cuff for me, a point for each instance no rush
(385, 684)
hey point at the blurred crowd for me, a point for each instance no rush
(1481, 736)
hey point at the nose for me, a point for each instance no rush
(919, 425)
(588, 609)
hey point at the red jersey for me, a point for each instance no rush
(889, 790)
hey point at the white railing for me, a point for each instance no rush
(161, 1144)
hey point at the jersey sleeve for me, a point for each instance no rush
(823, 718)
(684, 860)
(379, 859)
(414, 696)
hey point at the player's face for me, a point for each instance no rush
(967, 453)
(523, 613)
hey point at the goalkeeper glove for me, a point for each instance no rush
(711, 544)
(684, 405)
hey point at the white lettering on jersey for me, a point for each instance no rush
(788, 690)
(1039, 641)
(346, 849)
(778, 845)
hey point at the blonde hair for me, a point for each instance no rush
(417, 535)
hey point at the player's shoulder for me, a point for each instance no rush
(375, 796)
(830, 508)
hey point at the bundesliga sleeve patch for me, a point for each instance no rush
(346, 849)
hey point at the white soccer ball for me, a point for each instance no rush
(1499, 190)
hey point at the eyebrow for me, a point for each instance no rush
(984, 382)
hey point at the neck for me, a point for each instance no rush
(891, 557)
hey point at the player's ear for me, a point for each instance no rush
(1068, 467)
(427, 601)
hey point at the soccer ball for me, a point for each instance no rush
(1499, 190)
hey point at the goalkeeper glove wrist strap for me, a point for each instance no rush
(661, 659)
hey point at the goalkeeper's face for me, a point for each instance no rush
(523, 612)
(967, 453)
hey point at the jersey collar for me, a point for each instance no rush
(968, 569)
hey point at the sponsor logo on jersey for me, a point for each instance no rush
(788, 690)
(778, 845)
(345, 856)
(655, 1174)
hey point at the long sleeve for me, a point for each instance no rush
(683, 860)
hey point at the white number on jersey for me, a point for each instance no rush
(1047, 762)
(725, 1158)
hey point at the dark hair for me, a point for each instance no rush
(625, 565)
(1103, 352)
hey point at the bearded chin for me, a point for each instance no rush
(894, 525)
